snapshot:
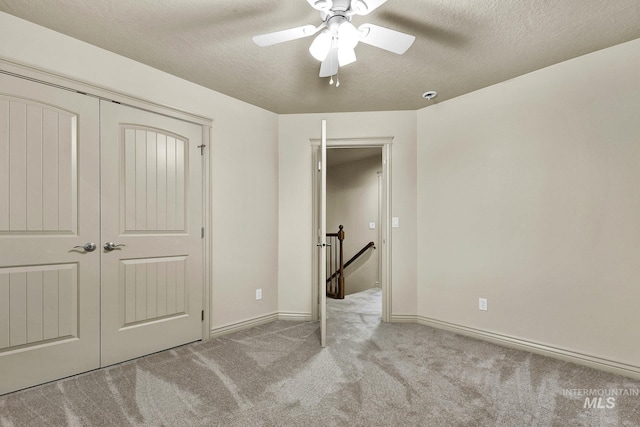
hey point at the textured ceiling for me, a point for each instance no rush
(461, 45)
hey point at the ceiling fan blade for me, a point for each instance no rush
(364, 7)
(384, 38)
(329, 66)
(285, 35)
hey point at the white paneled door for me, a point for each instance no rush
(152, 271)
(49, 211)
(100, 233)
(322, 246)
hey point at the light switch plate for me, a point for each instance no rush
(482, 304)
(372, 226)
(395, 222)
(258, 294)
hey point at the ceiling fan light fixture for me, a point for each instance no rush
(321, 45)
(348, 36)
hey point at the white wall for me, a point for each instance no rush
(244, 159)
(352, 201)
(529, 195)
(295, 215)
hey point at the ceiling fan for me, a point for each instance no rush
(338, 37)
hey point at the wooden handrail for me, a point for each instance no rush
(353, 258)
(363, 250)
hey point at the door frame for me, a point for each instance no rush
(48, 78)
(385, 143)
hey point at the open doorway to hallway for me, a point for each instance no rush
(383, 245)
(354, 201)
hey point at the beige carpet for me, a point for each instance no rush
(372, 374)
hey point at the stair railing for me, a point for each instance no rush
(336, 265)
(335, 260)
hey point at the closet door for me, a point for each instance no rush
(152, 270)
(49, 229)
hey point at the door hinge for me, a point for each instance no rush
(201, 147)
(202, 233)
(202, 316)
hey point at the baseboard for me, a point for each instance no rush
(260, 320)
(520, 344)
(296, 316)
(243, 324)
(404, 318)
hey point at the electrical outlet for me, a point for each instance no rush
(258, 294)
(482, 304)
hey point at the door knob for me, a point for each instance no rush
(88, 247)
(109, 246)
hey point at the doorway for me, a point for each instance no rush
(353, 202)
(384, 144)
